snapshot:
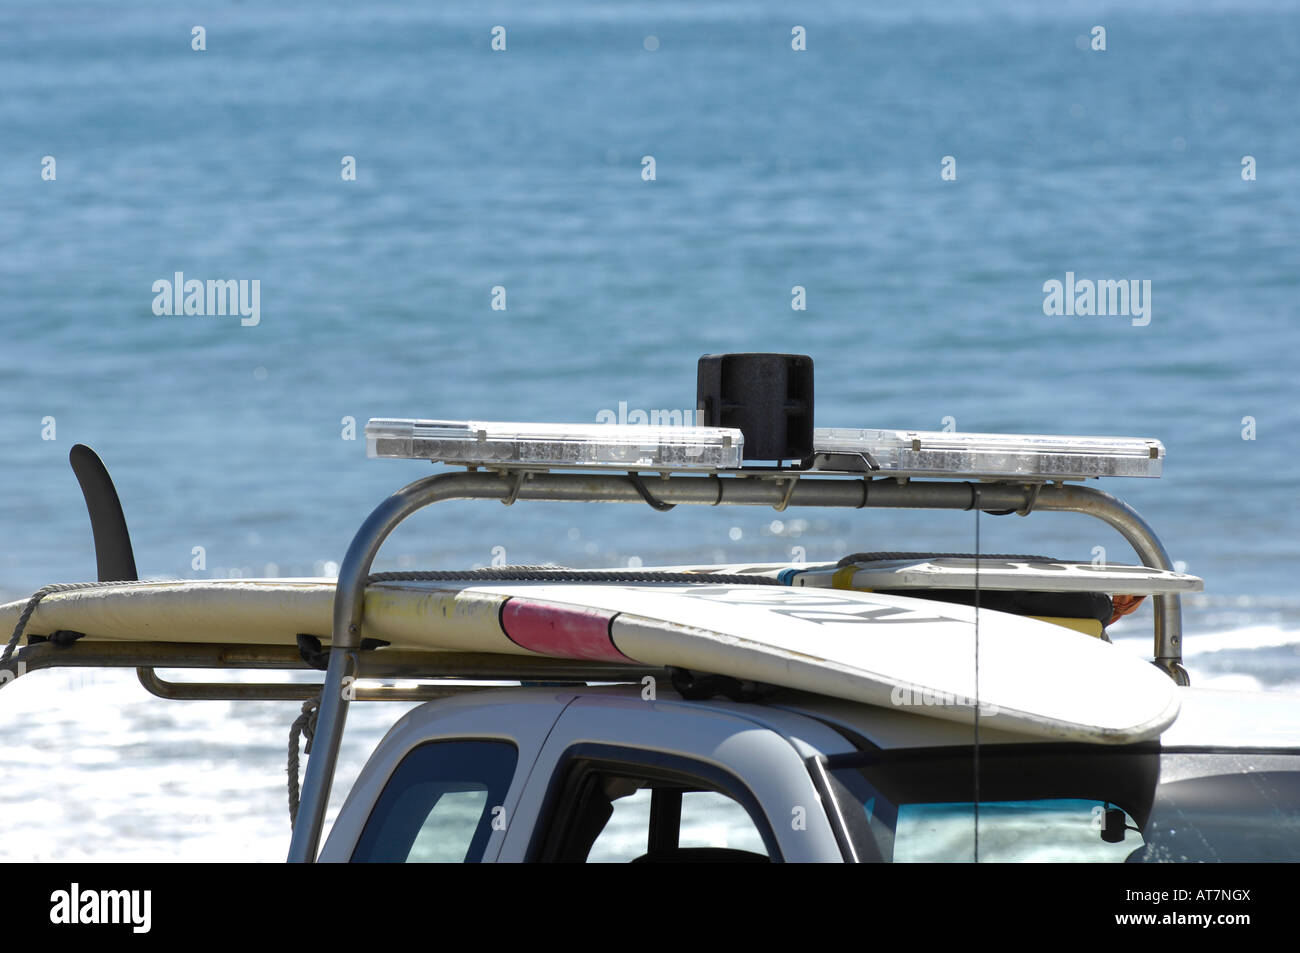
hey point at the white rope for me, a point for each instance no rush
(40, 594)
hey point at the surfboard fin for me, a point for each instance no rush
(114, 558)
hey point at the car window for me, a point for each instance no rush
(1049, 831)
(1129, 805)
(446, 833)
(708, 819)
(441, 804)
(609, 804)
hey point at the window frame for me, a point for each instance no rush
(581, 761)
(470, 857)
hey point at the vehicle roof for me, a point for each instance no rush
(1207, 718)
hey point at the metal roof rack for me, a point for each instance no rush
(777, 487)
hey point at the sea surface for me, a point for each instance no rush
(525, 170)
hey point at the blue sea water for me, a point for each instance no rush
(523, 169)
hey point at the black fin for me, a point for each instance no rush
(114, 558)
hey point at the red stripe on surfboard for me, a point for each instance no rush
(561, 631)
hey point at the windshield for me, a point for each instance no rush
(1068, 803)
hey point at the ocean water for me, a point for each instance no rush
(523, 169)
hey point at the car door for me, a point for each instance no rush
(622, 779)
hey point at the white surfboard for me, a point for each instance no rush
(958, 572)
(1025, 575)
(893, 651)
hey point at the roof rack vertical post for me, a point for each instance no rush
(1168, 608)
(349, 596)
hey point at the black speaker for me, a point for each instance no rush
(767, 397)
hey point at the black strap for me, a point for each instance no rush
(645, 494)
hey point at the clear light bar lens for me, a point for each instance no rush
(483, 443)
(1031, 456)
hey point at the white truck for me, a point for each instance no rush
(608, 774)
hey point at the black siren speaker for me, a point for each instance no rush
(767, 397)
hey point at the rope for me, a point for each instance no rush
(303, 726)
(40, 594)
(560, 574)
(880, 557)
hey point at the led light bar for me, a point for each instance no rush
(578, 446)
(988, 455)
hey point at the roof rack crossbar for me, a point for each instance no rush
(383, 663)
(738, 489)
(290, 691)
